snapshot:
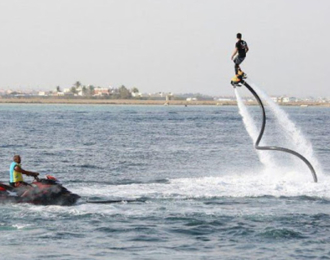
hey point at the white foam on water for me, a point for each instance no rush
(246, 184)
(300, 143)
(21, 226)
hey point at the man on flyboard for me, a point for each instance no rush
(241, 48)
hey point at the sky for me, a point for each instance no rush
(179, 46)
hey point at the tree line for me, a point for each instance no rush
(89, 91)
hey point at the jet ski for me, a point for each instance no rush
(45, 191)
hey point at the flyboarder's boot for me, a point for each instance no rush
(236, 80)
(241, 74)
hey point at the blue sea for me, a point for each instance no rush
(201, 188)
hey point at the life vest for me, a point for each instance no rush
(15, 176)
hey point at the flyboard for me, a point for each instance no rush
(238, 81)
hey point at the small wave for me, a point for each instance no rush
(321, 216)
(89, 143)
(14, 227)
(323, 149)
(49, 154)
(282, 233)
(128, 112)
(306, 198)
(88, 166)
(120, 182)
(11, 146)
(225, 203)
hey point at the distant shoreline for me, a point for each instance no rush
(85, 101)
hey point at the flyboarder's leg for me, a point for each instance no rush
(237, 68)
(235, 79)
(239, 73)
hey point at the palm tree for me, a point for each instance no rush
(91, 90)
(84, 90)
(124, 93)
(135, 90)
(77, 84)
(73, 90)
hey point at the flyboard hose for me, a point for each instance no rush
(273, 148)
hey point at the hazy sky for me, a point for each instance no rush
(165, 45)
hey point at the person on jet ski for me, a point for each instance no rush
(16, 172)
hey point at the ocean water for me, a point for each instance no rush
(205, 194)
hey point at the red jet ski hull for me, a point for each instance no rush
(40, 192)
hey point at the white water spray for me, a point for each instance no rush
(253, 131)
(291, 131)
